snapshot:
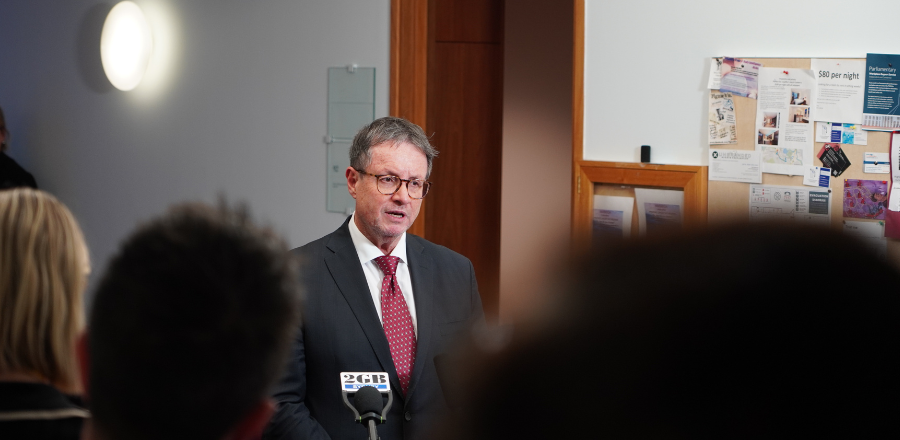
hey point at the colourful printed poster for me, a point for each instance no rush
(865, 198)
(740, 77)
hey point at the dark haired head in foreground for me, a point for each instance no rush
(747, 331)
(190, 327)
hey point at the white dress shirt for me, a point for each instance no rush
(367, 252)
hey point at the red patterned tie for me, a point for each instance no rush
(398, 325)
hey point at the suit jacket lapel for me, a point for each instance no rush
(344, 267)
(421, 270)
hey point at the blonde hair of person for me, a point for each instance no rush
(43, 273)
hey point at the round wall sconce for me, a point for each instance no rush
(125, 45)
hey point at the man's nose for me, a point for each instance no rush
(402, 194)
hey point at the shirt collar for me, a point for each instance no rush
(366, 251)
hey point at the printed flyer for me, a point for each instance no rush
(784, 132)
(721, 119)
(881, 110)
(740, 77)
(790, 203)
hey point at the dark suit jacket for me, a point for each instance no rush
(341, 332)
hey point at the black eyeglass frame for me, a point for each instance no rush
(425, 187)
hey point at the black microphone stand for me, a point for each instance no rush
(370, 417)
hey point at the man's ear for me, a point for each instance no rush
(352, 180)
(251, 426)
(84, 364)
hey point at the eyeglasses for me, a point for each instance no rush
(388, 185)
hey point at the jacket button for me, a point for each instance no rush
(407, 416)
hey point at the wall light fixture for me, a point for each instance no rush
(125, 45)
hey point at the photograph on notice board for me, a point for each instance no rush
(799, 96)
(799, 114)
(865, 198)
(767, 136)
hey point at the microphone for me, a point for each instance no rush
(368, 407)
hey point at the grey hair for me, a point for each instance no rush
(394, 131)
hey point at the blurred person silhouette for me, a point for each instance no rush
(12, 175)
(190, 328)
(43, 273)
(744, 331)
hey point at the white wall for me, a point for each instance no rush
(537, 151)
(233, 103)
(647, 61)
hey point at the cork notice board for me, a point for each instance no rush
(731, 200)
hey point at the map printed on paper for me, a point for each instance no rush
(782, 156)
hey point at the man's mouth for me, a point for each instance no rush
(396, 214)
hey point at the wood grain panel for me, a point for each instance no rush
(466, 117)
(471, 21)
(409, 70)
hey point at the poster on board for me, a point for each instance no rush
(790, 204)
(881, 110)
(784, 129)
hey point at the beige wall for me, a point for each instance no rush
(537, 150)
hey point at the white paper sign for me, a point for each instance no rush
(353, 381)
(840, 88)
(734, 165)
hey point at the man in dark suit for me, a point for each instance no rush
(377, 299)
